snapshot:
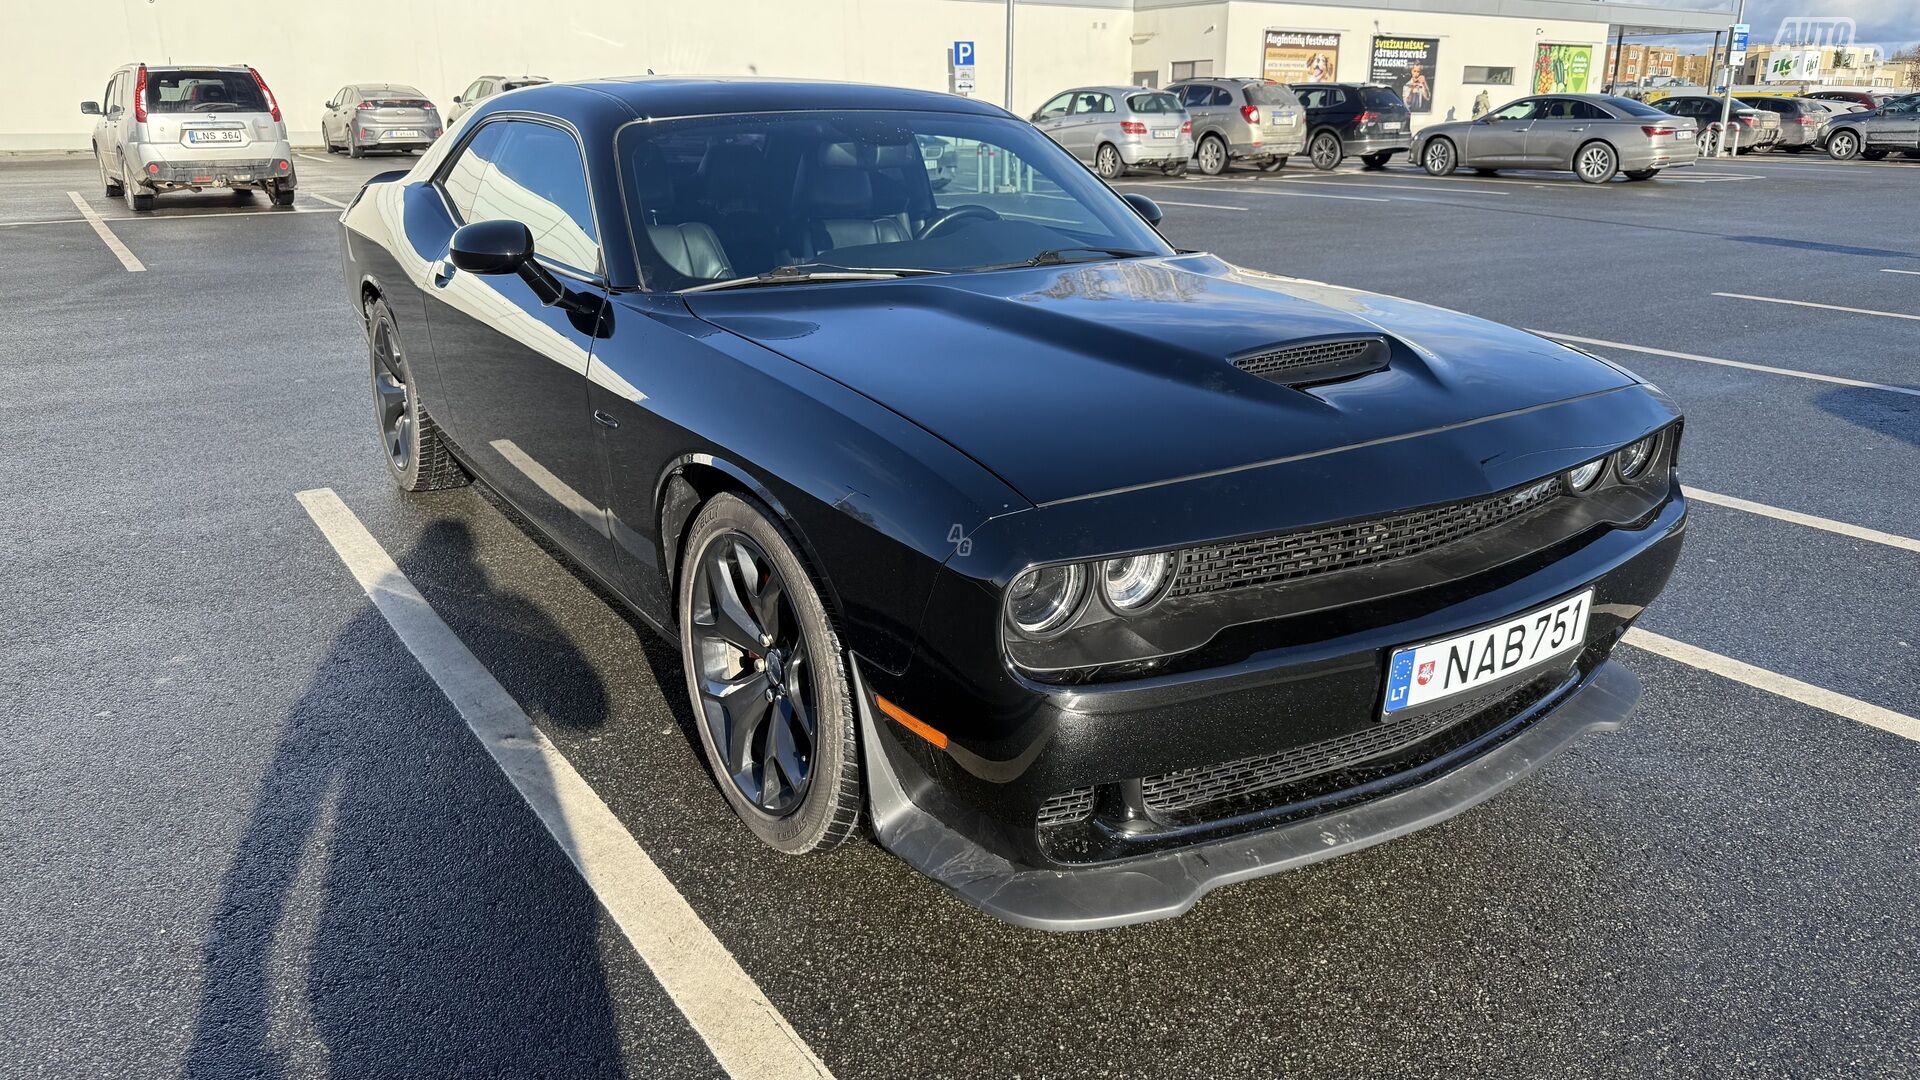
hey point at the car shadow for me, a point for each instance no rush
(393, 908)
(1896, 415)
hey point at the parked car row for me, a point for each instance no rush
(1217, 123)
(163, 128)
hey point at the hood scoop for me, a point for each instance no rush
(1317, 360)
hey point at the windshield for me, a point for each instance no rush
(723, 197)
(180, 91)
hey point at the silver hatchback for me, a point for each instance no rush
(1116, 128)
(365, 117)
(189, 129)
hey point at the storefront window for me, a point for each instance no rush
(1192, 69)
(1495, 76)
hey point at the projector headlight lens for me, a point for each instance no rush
(1631, 461)
(1582, 477)
(1044, 599)
(1134, 583)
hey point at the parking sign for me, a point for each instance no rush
(1737, 54)
(962, 72)
(963, 54)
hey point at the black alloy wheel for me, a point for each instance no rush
(417, 455)
(767, 680)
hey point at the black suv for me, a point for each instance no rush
(1354, 120)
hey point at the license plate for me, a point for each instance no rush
(228, 135)
(404, 133)
(1392, 126)
(1421, 674)
(1165, 133)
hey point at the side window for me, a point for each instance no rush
(1056, 108)
(1313, 99)
(1519, 110)
(1220, 96)
(1336, 97)
(1193, 95)
(106, 96)
(538, 179)
(472, 91)
(1586, 110)
(486, 87)
(462, 179)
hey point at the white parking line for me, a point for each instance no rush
(1823, 307)
(1268, 189)
(100, 229)
(1813, 375)
(314, 157)
(330, 202)
(1857, 532)
(1361, 180)
(747, 1035)
(1775, 683)
(1914, 273)
(1200, 205)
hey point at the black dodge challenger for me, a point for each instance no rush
(1088, 573)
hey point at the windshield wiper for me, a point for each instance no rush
(800, 273)
(1056, 256)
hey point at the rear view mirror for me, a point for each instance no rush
(90, 108)
(1145, 207)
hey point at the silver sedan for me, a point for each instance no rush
(1594, 136)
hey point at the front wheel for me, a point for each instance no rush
(1108, 164)
(1596, 163)
(1440, 158)
(1213, 156)
(1325, 151)
(1642, 174)
(1274, 164)
(417, 455)
(768, 680)
(1376, 161)
(1843, 146)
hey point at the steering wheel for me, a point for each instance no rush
(939, 225)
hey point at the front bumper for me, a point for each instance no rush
(1158, 887)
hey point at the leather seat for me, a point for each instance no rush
(734, 199)
(839, 204)
(689, 248)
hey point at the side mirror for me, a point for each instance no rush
(90, 108)
(499, 247)
(1145, 207)
(457, 99)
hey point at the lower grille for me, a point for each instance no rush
(1068, 806)
(1311, 552)
(1173, 797)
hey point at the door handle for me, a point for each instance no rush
(441, 272)
(1578, 127)
(604, 420)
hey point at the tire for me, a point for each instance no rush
(1175, 170)
(1325, 151)
(416, 453)
(1843, 145)
(1440, 157)
(1212, 155)
(140, 202)
(1376, 161)
(282, 190)
(1274, 164)
(1106, 162)
(1873, 155)
(1642, 174)
(1596, 163)
(353, 145)
(745, 695)
(108, 184)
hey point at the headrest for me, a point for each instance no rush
(839, 192)
(730, 170)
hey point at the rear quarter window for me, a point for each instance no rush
(1630, 107)
(1272, 95)
(1379, 97)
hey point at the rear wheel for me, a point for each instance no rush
(1376, 161)
(1274, 164)
(107, 183)
(1106, 162)
(138, 201)
(1596, 163)
(282, 191)
(417, 456)
(1642, 174)
(1325, 151)
(1843, 146)
(1213, 155)
(353, 144)
(1440, 158)
(768, 681)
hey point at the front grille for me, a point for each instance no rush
(1068, 806)
(1314, 360)
(1288, 556)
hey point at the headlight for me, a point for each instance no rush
(1134, 583)
(1045, 598)
(1632, 460)
(1581, 477)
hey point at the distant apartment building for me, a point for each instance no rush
(1695, 69)
(1632, 65)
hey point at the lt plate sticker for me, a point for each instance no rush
(1441, 669)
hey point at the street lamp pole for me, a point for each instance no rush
(1009, 91)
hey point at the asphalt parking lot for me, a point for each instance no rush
(249, 835)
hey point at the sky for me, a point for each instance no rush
(1891, 24)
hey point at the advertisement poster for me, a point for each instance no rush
(1296, 57)
(1793, 65)
(1561, 69)
(1406, 64)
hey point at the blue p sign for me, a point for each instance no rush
(963, 54)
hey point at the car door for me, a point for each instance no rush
(1559, 127)
(330, 120)
(512, 371)
(1896, 126)
(1087, 126)
(1500, 138)
(1052, 116)
(103, 143)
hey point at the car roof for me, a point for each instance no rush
(667, 96)
(382, 86)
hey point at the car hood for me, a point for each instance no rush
(1073, 381)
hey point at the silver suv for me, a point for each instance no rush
(1116, 128)
(1250, 120)
(189, 128)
